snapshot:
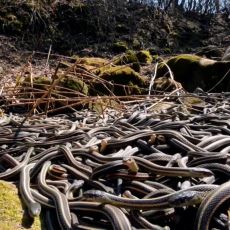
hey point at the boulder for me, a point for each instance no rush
(194, 71)
(144, 56)
(129, 58)
(123, 81)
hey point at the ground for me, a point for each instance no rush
(12, 215)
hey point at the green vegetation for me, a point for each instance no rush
(129, 81)
(71, 82)
(93, 61)
(144, 56)
(130, 58)
(12, 213)
(121, 75)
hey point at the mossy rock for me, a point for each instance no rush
(93, 61)
(144, 56)
(120, 46)
(41, 82)
(129, 81)
(193, 71)
(92, 64)
(130, 58)
(71, 82)
(12, 211)
(122, 75)
(165, 84)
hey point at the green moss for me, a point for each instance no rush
(121, 75)
(129, 81)
(129, 57)
(186, 57)
(93, 61)
(41, 82)
(164, 84)
(12, 214)
(74, 83)
(70, 82)
(155, 57)
(120, 46)
(144, 56)
(193, 71)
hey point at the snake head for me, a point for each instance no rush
(186, 198)
(201, 172)
(34, 209)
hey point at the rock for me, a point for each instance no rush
(13, 214)
(41, 82)
(93, 61)
(129, 57)
(144, 56)
(123, 75)
(193, 71)
(1, 70)
(165, 84)
(129, 81)
(72, 82)
(135, 59)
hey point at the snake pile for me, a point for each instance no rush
(135, 170)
